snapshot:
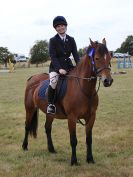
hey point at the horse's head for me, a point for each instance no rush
(100, 60)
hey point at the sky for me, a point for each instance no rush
(23, 22)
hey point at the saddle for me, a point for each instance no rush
(60, 89)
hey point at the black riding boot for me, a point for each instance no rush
(51, 109)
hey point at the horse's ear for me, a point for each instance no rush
(92, 43)
(104, 41)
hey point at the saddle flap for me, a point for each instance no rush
(60, 89)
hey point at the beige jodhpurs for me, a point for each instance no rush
(54, 76)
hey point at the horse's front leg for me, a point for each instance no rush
(89, 127)
(48, 128)
(73, 138)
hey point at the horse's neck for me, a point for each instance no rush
(84, 71)
(84, 67)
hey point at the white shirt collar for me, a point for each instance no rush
(63, 37)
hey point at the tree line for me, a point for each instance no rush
(126, 46)
(39, 51)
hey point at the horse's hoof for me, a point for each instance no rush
(52, 151)
(91, 161)
(75, 162)
(25, 148)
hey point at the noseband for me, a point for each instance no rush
(91, 54)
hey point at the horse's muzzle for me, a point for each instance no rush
(107, 82)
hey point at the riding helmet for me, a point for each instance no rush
(59, 20)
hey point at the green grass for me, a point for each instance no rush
(112, 133)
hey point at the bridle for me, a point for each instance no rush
(91, 54)
(96, 71)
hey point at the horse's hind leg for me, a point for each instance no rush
(25, 141)
(30, 126)
(48, 128)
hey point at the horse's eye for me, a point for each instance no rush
(97, 58)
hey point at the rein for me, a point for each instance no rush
(83, 78)
(68, 75)
(89, 80)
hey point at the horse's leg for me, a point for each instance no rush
(48, 128)
(30, 126)
(73, 138)
(89, 126)
(25, 141)
(27, 129)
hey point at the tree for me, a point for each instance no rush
(39, 52)
(5, 55)
(82, 51)
(127, 46)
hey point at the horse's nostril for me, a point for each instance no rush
(106, 81)
(112, 81)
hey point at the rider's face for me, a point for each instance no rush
(61, 29)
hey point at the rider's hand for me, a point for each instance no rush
(62, 71)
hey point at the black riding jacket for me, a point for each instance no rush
(60, 51)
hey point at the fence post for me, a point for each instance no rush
(124, 61)
(118, 63)
(129, 62)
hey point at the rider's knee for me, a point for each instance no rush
(53, 84)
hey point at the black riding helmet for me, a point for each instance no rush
(59, 20)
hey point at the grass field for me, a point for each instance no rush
(112, 133)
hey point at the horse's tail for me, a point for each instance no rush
(34, 123)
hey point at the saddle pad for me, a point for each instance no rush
(60, 90)
(43, 89)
